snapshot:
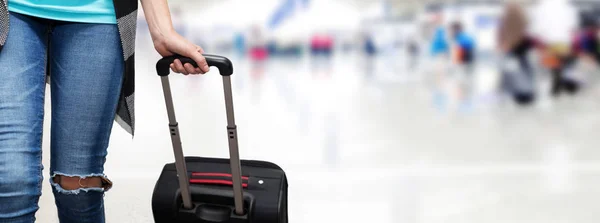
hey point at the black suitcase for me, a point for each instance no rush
(216, 190)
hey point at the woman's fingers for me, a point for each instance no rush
(201, 70)
(187, 68)
(190, 69)
(201, 61)
(179, 67)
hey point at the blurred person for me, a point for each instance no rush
(258, 44)
(369, 50)
(414, 52)
(369, 45)
(587, 42)
(439, 44)
(515, 44)
(239, 42)
(87, 47)
(463, 54)
(464, 51)
(554, 24)
(322, 44)
(585, 55)
(438, 51)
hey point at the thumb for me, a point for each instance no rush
(201, 61)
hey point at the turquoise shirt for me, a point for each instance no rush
(86, 11)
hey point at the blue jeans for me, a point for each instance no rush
(85, 63)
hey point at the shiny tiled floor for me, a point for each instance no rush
(370, 143)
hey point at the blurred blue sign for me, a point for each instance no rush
(286, 11)
(281, 13)
(485, 21)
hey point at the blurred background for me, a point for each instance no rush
(387, 111)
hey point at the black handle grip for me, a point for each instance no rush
(225, 66)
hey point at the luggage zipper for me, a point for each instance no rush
(252, 163)
(216, 179)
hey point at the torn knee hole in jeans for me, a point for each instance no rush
(75, 184)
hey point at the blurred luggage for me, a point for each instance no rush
(207, 190)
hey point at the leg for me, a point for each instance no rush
(569, 84)
(87, 72)
(525, 65)
(528, 71)
(22, 76)
(556, 81)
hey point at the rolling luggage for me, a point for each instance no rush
(216, 190)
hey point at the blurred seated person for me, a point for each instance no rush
(586, 42)
(554, 24)
(515, 44)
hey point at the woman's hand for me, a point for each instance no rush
(168, 42)
(173, 43)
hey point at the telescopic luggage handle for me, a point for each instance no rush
(226, 70)
(225, 66)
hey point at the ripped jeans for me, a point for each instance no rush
(85, 62)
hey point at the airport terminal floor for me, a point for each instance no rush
(362, 143)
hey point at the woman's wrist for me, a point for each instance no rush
(158, 18)
(160, 34)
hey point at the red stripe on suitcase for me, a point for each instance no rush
(216, 175)
(218, 182)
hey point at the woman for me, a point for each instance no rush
(515, 44)
(87, 48)
(513, 36)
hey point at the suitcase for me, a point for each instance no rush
(216, 190)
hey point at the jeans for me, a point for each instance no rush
(85, 62)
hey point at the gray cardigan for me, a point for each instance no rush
(126, 13)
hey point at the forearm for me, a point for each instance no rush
(167, 42)
(158, 18)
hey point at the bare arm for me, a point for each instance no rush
(158, 17)
(167, 41)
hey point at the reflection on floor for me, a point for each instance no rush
(370, 142)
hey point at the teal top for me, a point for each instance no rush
(86, 11)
